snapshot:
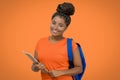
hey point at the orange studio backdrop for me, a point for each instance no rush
(95, 25)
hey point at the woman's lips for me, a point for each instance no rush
(54, 31)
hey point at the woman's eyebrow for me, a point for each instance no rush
(61, 24)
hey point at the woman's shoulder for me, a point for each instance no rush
(73, 40)
(74, 45)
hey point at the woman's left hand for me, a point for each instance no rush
(55, 73)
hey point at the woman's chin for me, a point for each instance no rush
(54, 35)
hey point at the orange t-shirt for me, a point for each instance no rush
(54, 56)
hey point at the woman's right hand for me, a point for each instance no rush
(39, 66)
(35, 67)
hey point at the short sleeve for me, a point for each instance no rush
(74, 46)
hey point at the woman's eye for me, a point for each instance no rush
(61, 25)
(53, 22)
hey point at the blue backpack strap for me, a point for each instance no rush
(69, 49)
(79, 76)
(70, 56)
(70, 53)
(82, 57)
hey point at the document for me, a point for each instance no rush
(34, 60)
(30, 56)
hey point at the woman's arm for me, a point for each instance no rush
(77, 66)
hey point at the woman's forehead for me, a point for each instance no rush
(58, 19)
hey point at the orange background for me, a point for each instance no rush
(95, 25)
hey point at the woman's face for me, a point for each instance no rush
(58, 26)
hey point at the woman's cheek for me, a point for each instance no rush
(61, 29)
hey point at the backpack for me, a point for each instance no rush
(70, 56)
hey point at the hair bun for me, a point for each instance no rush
(66, 8)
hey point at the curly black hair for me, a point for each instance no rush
(65, 10)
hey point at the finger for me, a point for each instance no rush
(51, 73)
(36, 63)
(44, 71)
(41, 66)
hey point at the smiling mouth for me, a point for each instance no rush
(54, 31)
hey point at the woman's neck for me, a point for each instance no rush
(56, 38)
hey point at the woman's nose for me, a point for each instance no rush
(55, 27)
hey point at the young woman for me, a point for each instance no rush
(51, 51)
